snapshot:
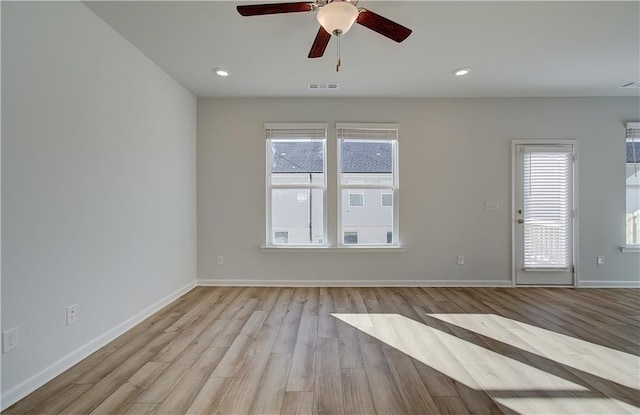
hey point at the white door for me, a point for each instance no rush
(545, 214)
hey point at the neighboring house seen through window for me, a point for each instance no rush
(367, 171)
(296, 184)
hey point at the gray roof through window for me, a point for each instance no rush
(306, 157)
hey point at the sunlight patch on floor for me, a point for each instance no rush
(567, 405)
(508, 381)
(597, 360)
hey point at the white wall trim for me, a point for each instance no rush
(333, 249)
(609, 284)
(351, 283)
(630, 248)
(24, 388)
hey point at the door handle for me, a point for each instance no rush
(520, 221)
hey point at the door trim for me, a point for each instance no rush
(514, 262)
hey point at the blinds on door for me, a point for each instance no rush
(547, 207)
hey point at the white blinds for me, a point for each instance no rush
(295, 131)
(547, 207)
(633, 133)
(633, 136)
(367, 131)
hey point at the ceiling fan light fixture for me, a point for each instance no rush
(337, 17)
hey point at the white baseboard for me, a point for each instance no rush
(351, 283)
(609, 284)
(21, 390)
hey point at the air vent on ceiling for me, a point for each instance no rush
(635, 84)
(315, 86)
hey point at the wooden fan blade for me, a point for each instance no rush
(276, 8)
(320, 44)
(382, 25)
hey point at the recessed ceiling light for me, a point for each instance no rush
(461, 71)
(221, 72)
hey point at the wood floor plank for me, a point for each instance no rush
(313, 350)
(270, 396)
(63, 398)
(137, 408)
(125, 394)
(451, 405)
(297, 403)
(328, 397)
(101, 390)
(157, 391)
(214, 305)
(312, 298)
(326, 323)
(232, 360)
(244, 388)
(356, 392)
(209, 398)
(244, 385)
(54, 388)
(303, 364)
(384, 390)
(125, 352)
(286, 341)
(414, 393)
(179, 400)
(437, 383)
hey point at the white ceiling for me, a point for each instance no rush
(514, 48)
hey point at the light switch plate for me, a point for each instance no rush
(492, 205)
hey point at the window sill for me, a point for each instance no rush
(630, 248)
(333, 249)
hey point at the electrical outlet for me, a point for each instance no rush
(460, 260)
(600, 260)
(220, 260)
(10, 339)
(72, 314)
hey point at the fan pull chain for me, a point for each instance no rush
(339, 63)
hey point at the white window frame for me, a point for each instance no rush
(393, 186)
(627, 247)
(270, 233)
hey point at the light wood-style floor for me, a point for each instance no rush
(234, 350)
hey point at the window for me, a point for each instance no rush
(633, 184)
(367, 167)
(296, 184)
(547, 206)
(356, 196)
(281, 237)
(351, 237)
(386, 198)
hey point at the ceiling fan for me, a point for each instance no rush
(335, 17)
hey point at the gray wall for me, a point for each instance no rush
(455, 154)
(98, 185)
